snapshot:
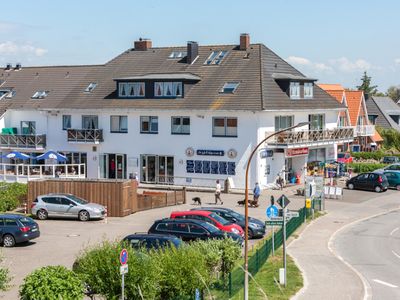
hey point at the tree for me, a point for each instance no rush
(393, 92)
(366, 86)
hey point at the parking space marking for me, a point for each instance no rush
(385, 283)
(394, 230)
(398, 256)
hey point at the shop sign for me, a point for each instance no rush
(297, 152)
(210, 167)
(210, 152)
(266, 153)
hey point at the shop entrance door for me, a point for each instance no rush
(113, 166)
(157, 169)
(288, 169)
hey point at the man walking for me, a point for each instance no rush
(256, 194)
(218, 193)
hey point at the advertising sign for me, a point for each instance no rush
(297, 152)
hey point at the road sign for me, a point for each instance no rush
(283, 201)
(292, 214)
(123, 269)
(272, 211)
(123, 257)
(274, 223)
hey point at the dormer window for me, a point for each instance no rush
(40, 95)
(177, 54)
(90, 87)
(131, 90)
(294, 90)
(215, 57)
(229, 87)
(168, 89)
(308, 90)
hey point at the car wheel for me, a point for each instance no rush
(378, 189)
(398, 187)
(42, 214)
(8, 241)
(351, 186)
(83, 216)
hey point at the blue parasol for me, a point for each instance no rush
(16, 155)
(52, 155)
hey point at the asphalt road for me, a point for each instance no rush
(372, 247)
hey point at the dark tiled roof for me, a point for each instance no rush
(257, 89)
(383, 107)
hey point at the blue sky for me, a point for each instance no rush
(334, 41)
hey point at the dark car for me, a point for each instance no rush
(16, 229)
(390, 159)
(256, 227)
(152, 241)
(393, 178)
(368, 181)
(191, 230)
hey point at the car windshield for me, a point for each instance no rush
(219, 219)
(211, 228)
(27, 221)
(236, 215)
(77, 199)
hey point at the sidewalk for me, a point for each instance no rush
(325, 275)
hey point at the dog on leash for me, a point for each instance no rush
(196, 200)
(241, 202)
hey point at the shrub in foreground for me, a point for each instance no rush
(365, 167)
(52, 282)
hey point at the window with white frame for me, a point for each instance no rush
(168, 89)
(148, 124)
(229, 87)
(40, 95)
(294, 90)
(225, 127)
(90, 87)
(308, 90)
(342, 121)
(215, 57)
(317, 122)
(177, 54)
(119, 124)
(282, 122)
(131, 90)
(28, 127)
(180, 125)
(66, 122)
(90, 122)
(7, 94)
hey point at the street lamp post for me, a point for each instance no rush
(246, 208)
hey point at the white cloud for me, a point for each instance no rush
(397, 61)
(7, 27)
(296, 60)
(11, 48)
(346, 65)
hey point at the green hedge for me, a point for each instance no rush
(365, 167)
(4, 277)
(164, 274)
(11, 195)
(52, 282)
(377, 155)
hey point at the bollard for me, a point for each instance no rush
(25, 208)
(105, 214)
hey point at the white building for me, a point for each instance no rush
(174, 115)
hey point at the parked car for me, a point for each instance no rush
(152, 241)
(191, 230)
(368, 181)
(393, 167)
(344, 158)
(393, 179)
(66, 205)
(210, 217)
(15, 229)
(390, 159)
(256, 227)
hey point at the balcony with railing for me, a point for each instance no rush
(23, 141)
(86, 136)
(311, 137)
(364, 130)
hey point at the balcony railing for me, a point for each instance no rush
(365, 130)
(23, 141)
(90, 136)
(304, 137)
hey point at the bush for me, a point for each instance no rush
(11, 195)
(4, 277)
(391, 138)
(98, 267)
(365, 167)
(52, 282)
(377, 155)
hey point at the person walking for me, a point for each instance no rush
(256, 194)
(218, 193)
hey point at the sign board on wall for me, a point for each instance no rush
(210, 152)
(210, 167)
(297, 152)
(266, 153)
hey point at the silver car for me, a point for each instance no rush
(66, 205)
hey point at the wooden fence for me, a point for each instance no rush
(149, 200)
(119, 196)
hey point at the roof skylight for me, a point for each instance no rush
(229, 87)
(177, 54)
(215, 57)
(91, 87)
(40, 95)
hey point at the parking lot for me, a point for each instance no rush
(62, 240)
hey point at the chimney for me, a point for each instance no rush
(143, 44)
(244, 41)
(192, 52)
(8, 67)
(18, 67)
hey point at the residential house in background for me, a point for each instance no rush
(174, 115)
(383, 112)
